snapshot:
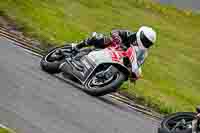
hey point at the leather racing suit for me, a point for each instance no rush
(122, 43)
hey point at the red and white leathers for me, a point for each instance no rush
(135, 55)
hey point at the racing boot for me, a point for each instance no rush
(97, 39)
(82, 44)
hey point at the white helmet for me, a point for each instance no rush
(146, 37)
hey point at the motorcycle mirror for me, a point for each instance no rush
(198, 109)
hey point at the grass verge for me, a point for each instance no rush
(4, 130)
(171, 73)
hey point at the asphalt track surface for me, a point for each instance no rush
(32, 101)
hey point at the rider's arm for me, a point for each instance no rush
(141, 56)
(137, 67)
(136, 71)
(136, 58)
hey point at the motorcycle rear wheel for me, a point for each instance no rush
(52, 66)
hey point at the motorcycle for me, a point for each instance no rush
(181, 122)
(94, 69)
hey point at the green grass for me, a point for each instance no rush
(2, 130)
(171, 75)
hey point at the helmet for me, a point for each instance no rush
(146, 37)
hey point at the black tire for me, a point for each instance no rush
(165, 128)
(50, 67)
(109, 88)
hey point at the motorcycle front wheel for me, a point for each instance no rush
(98, 86)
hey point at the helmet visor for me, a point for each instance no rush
(145, 41)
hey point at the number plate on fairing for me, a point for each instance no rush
(88, 67)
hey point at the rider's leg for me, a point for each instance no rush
(97, 40)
